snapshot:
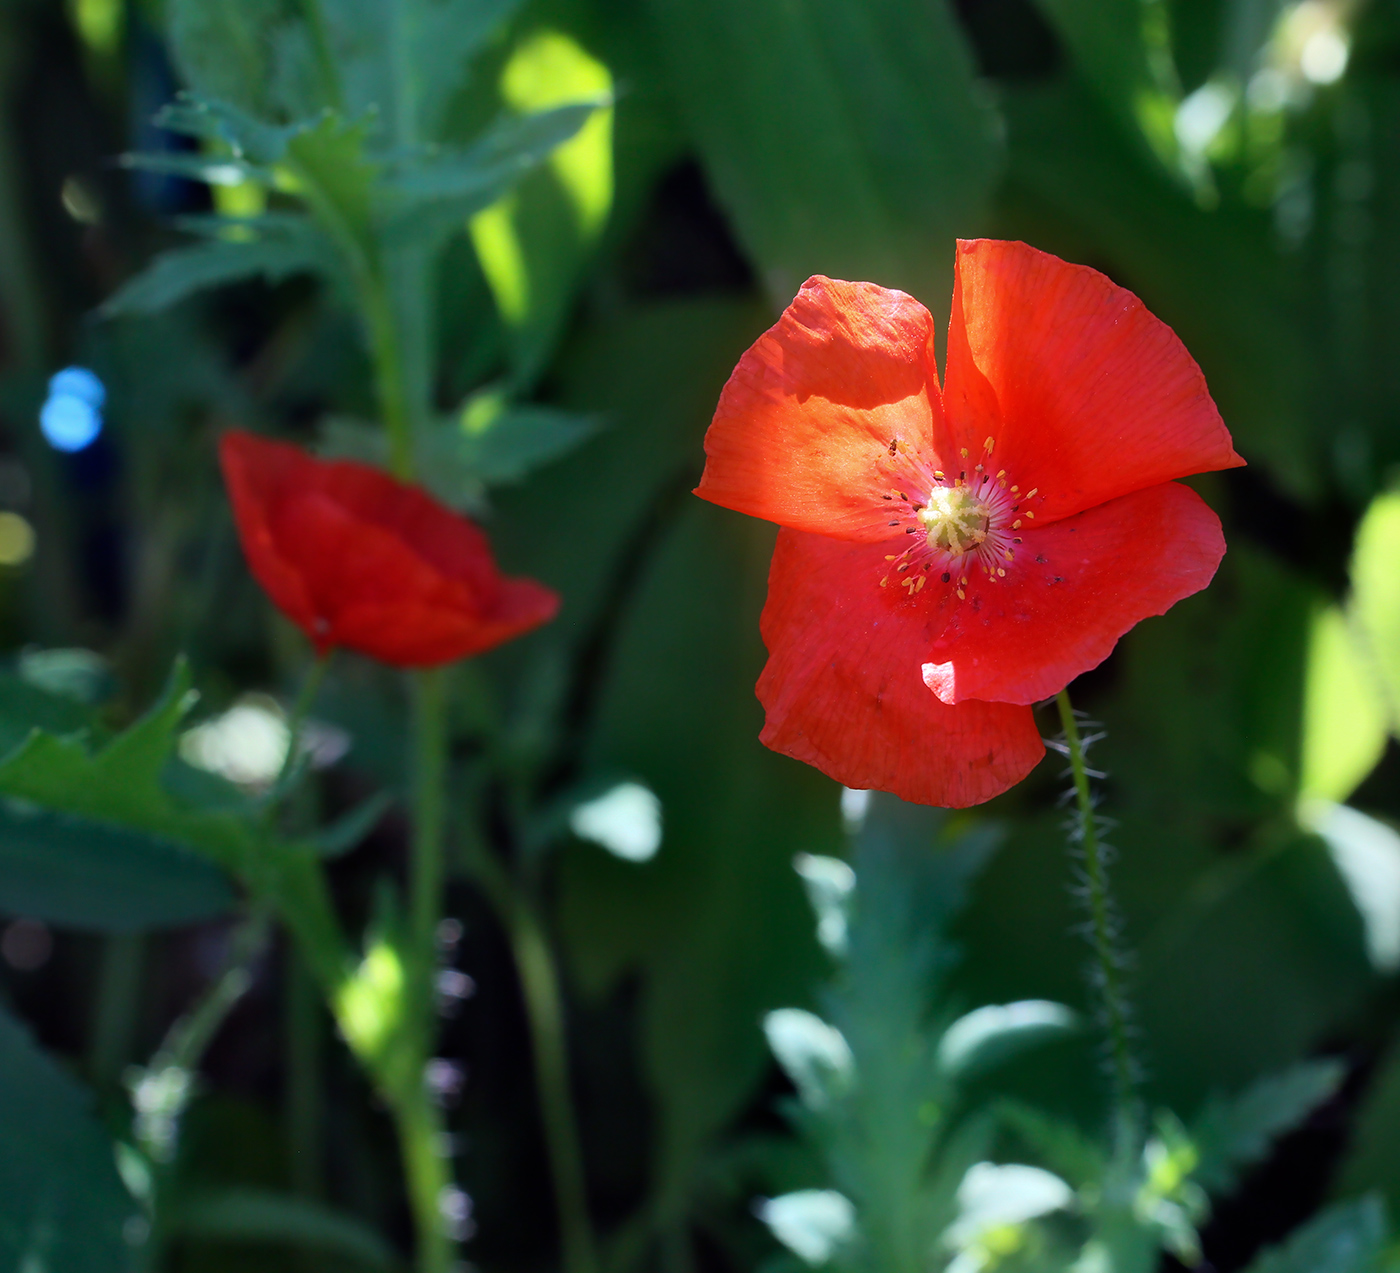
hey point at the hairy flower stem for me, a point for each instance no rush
(544, 1008)
(1108, 978)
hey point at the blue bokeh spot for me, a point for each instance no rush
(80, 383)
(71, 418)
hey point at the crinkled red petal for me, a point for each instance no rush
(359, 560)
(1075, 587)
(803, 430)
(1086, 394)
(844, 690)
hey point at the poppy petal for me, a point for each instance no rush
(804, 430)
(1075, 587)
(253, 472)
(843, 687)
(1086, 395)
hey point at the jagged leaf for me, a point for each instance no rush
(438, 194)
(404, 61)
(194, 167)
(120, 785)
(176, 274)
(1231, 1134)
(63, 1208)
(219, 121)
(1345, 1238)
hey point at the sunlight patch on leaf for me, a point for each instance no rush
(1366, 853)
(811, 1223)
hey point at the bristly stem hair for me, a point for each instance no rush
(1101, 930)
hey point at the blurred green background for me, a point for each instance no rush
(571, 297)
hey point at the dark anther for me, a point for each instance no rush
(894, 445)
(946, 576)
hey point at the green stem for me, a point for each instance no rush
(420, 1123)
(1108, 978)
(390, 377)
(429, 811)
(118, 1000)
(296, 720)
(186, 1041)
(544, 1009)
(305, 1108)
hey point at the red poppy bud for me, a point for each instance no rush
(359, 560)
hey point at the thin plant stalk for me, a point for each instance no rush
(1108, 978)
(305, 1111)
(118, 1002)
(544, 1009)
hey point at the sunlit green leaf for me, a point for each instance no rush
(533, 243)
(1344, 715)
(987, 1036)
(63, 1208)
(1375, 583)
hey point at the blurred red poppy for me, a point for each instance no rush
(950, 556)
(359, 560)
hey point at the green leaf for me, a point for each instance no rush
(987, 1036)
(1054, 1141)
(1344, 717)
(86, 874)
(437, 194)
(249, 53)
(346, 832)
(257, 1215)
(498, 443)
(1122, 49)
(1230, 1135)
(25, 707)
(1366, 853)
(1345, 1238)
(63, 1208)
(179, 273)
(533, 244)
(211, 170)
(331, 163)
(219, 121)
(843, 139)
(121, 785)
(1375, 604)
(405, 61)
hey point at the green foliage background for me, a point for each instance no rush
(571, 217)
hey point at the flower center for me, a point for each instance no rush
(955, 519)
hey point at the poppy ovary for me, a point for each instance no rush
(955, 519)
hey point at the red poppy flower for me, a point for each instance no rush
(950, 556)
(359, 560)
